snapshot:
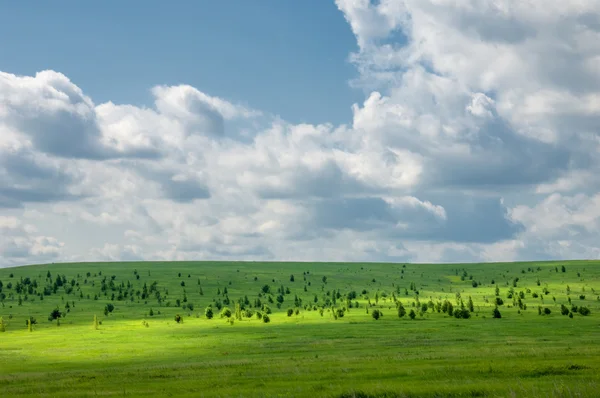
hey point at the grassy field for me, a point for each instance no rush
(330, 347)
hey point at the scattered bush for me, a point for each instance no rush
(547, 311)
(376, 314)
(225, 312)
(401, 310)
(496, 313)
(462, 313)
(266, 319)
(178, 318)
(208, 312)
(290, 312)
(412, 314)
(499, 301)
(585, 311)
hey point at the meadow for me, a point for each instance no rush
(250, 329)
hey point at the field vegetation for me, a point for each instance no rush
(301, 329)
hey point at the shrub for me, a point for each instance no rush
(496, 313)
(571, 315)
(290, 312)
(55, 315)
(462, 313)
(259, 315)
(266, 319)
(564, 310)
(574, 308)
(401, 310)
(225, 312)
(547, 311)
(178, 318)
(339, 312)
(499, 301)
(582, 297)
(534, 295)
(584, 311)
(412, 314)
(376, 314)
(208, 312)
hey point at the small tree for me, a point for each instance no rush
(2, 325)
(291, 278)
(376, 314)
(563, 269)
(496, 313)
(95, 322)
(225, 313)
(584, 311)
(266, 318)
(547, 311)
(401, 310)
(412, 314)
(470, 305)
(55, 315)
(290, 312)
(178, 318)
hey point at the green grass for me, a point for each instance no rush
(435, 355)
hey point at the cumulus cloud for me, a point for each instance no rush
(21, 243)
(477, 140)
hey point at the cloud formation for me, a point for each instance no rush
(477, 140)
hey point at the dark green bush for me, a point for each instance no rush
(584, 311)
(225, 312)
(496, 313)
(290, 312)
(376, 314)
(547, 311)
(462, 313)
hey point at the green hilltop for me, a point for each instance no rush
(300, 329)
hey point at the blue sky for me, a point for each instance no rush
(253, 52)
(212, 130)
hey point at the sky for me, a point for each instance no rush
(346, 130)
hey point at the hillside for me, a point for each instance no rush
(321, 337)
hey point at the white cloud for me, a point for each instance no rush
(467, 103)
